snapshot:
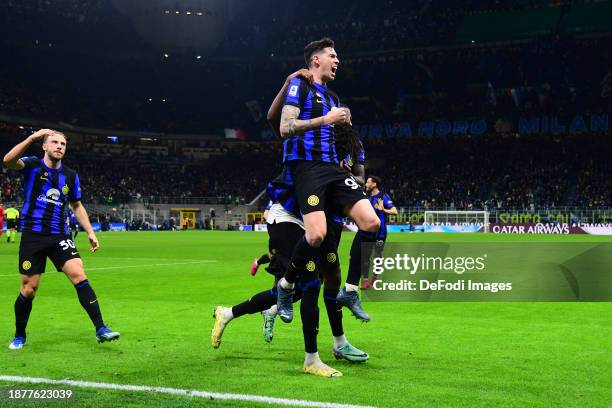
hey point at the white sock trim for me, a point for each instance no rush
(286, 285)
(351, 288)
(227, 314)
(312, 358)
(340, 341)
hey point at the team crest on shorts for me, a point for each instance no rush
(313, 200)
(65, 189)
(26, 265)
(331, 257)
(310, 266)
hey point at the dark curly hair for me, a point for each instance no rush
(347, 142)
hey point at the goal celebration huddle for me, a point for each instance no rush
(321, 183)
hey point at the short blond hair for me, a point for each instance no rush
(56, 132)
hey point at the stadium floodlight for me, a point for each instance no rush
(456, 221)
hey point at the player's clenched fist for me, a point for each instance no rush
(336, 116)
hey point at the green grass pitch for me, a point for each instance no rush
(159, 290)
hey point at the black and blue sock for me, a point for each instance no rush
(89, 301)
(23, 307)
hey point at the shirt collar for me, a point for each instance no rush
(42, 161)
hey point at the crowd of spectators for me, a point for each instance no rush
(544, 77)
(281, 29)
(464, 172)
(83, 83)
(383, 78)
(234, 175)
(496, 171)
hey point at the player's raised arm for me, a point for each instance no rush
(274, 112)
(12, 159)
(81, 215)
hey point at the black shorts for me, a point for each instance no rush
(10, 224)
(34, 249)
(321, 186)
(283, 237)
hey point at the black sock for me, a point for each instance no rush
(309, 311)
(264, 259)
(258, 303)
(302, 253)
(23, 307)
(357, 263)
(334, 313)
(87, 298)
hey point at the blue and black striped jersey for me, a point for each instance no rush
(47, 193)
(387, 204)
(314, 101)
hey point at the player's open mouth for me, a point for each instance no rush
(334, 69)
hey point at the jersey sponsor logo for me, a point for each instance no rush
(26, 265)
(313, 200)
(65, 189)
(293, 90)
(311, 266)
(52, 197)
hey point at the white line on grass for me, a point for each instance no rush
(149, 259)
(140, 266)
(179, 391)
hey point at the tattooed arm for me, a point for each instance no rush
(291, 125)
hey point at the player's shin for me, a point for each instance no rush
(310, 318)
(302, 254)
(258, 303)
(23, 307)
(89, 301)
(334, 314)
(357, 262)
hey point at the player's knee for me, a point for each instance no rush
(29, 290)
(315, 238)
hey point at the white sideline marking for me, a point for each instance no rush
(155, 264)
(139, 266)
(179, 391)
